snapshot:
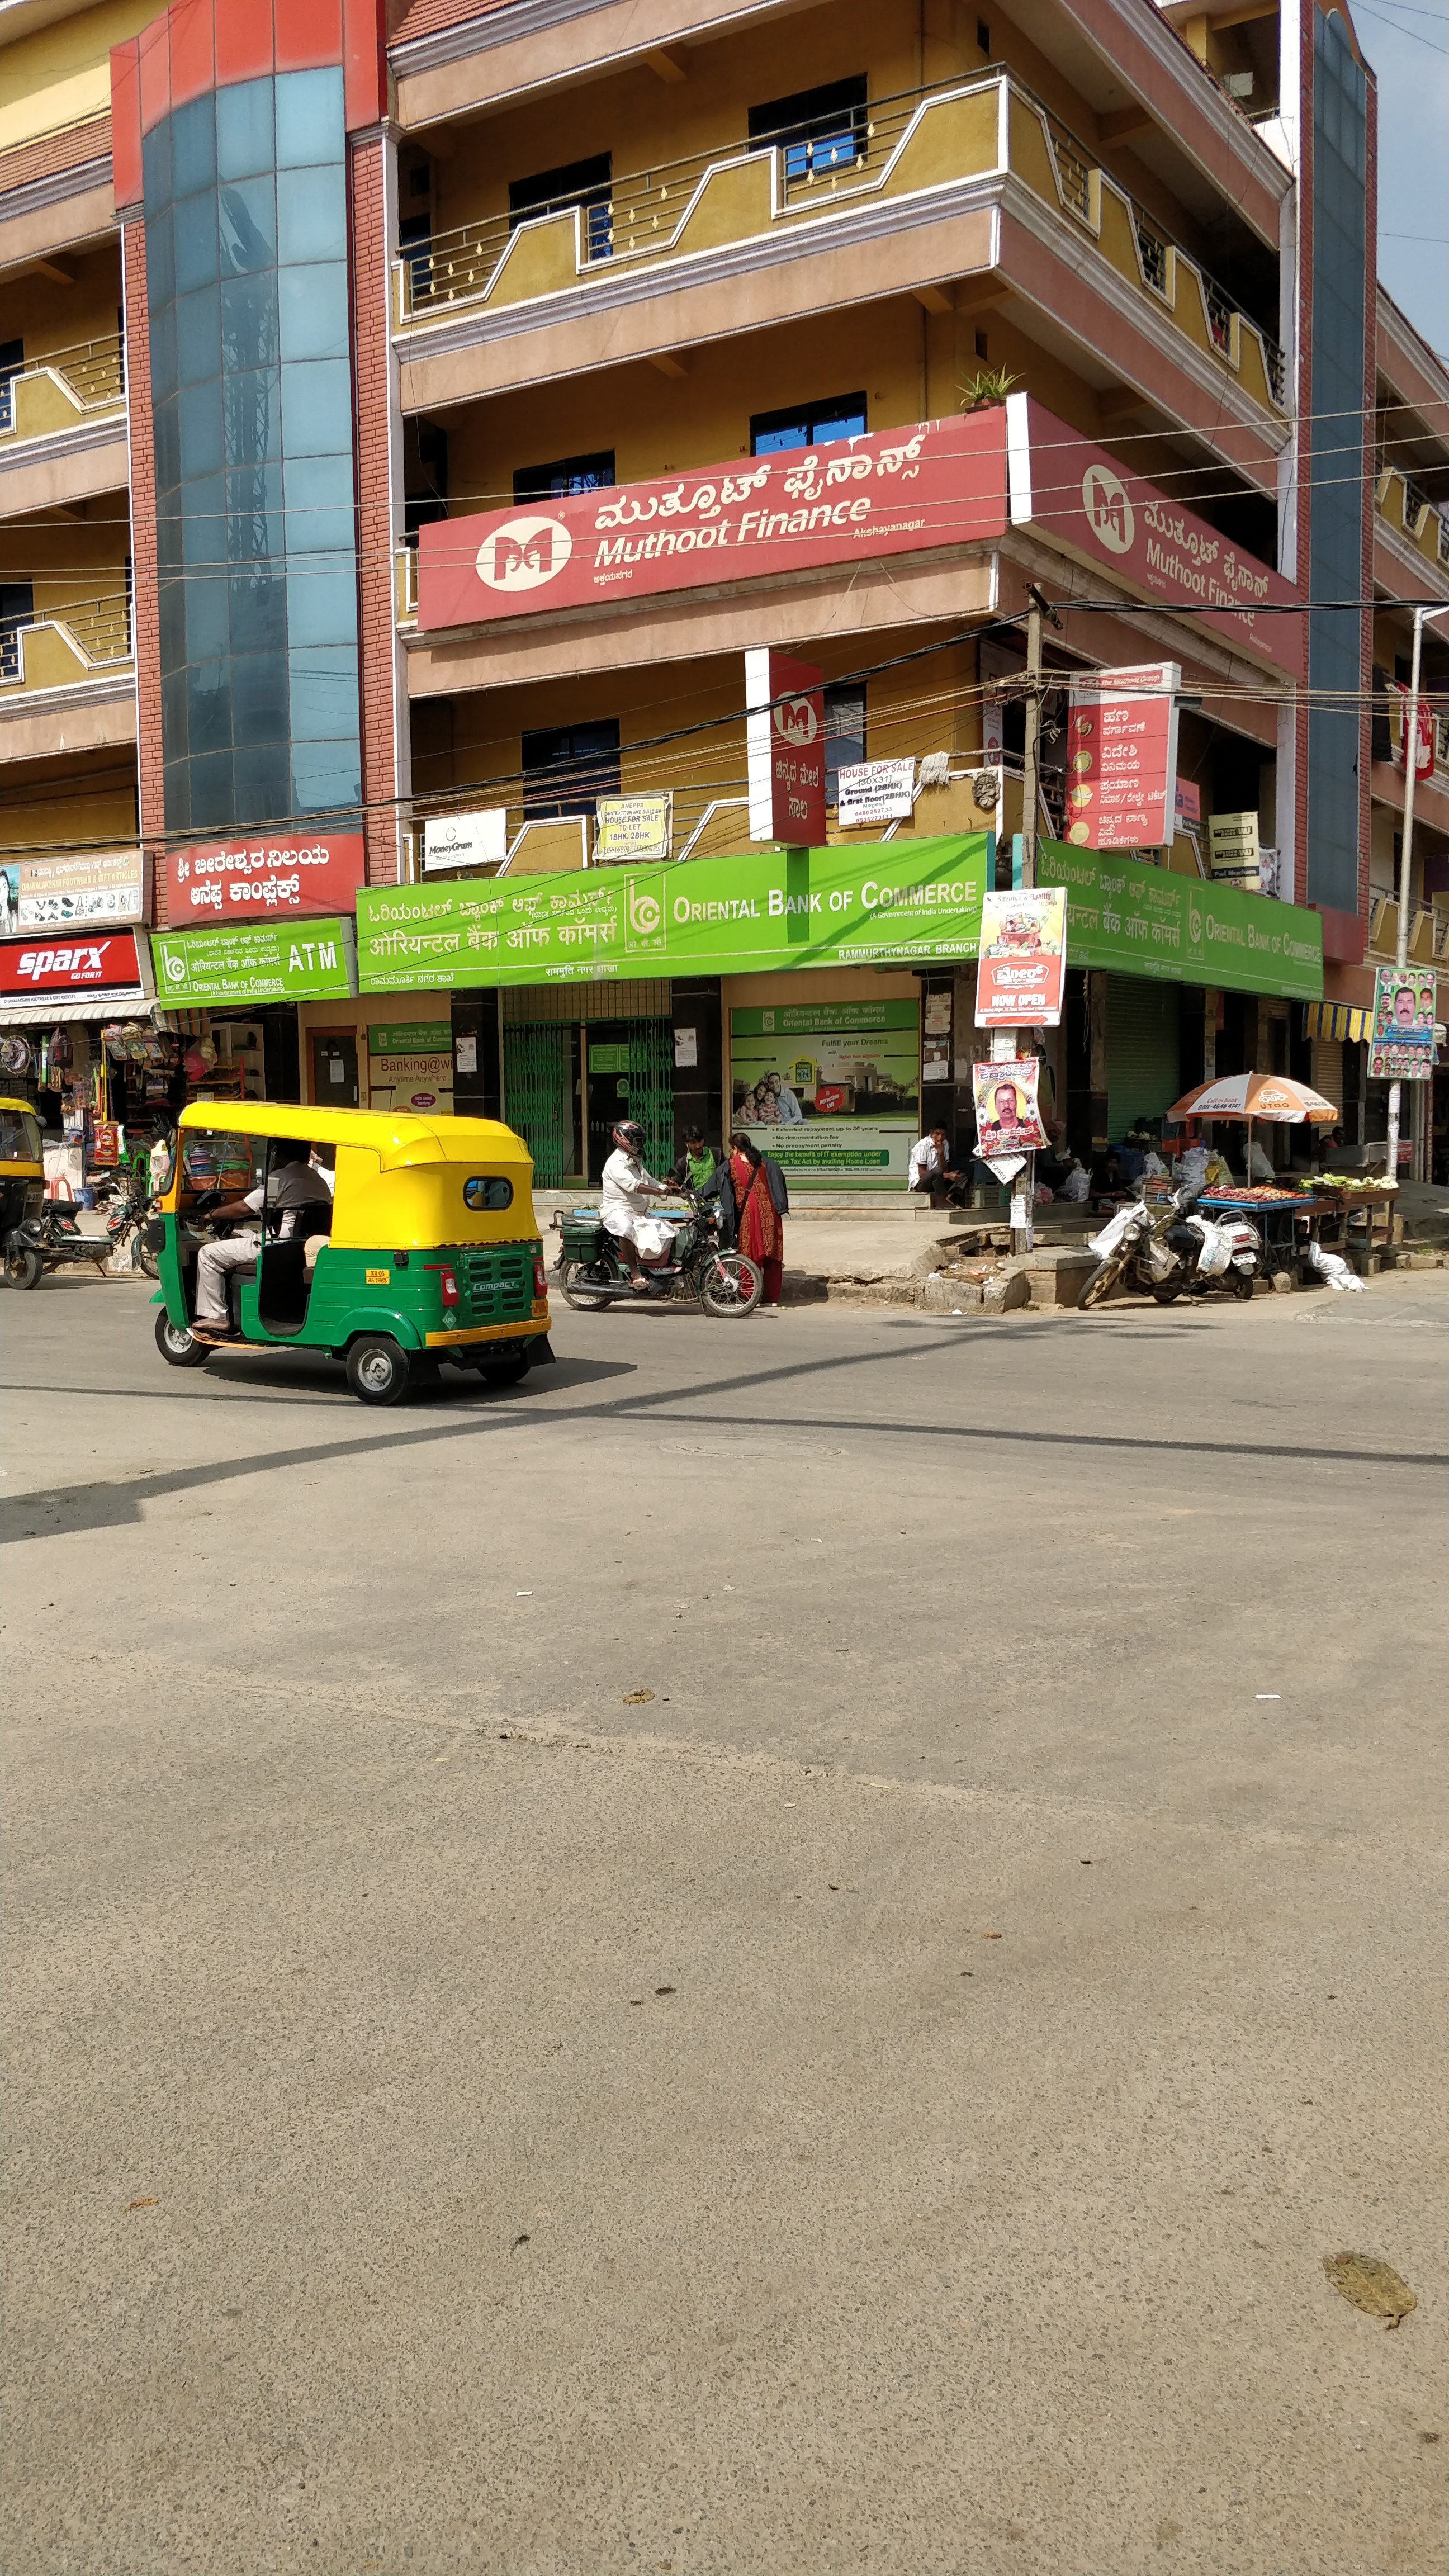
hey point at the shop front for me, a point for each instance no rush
(79, 1038)
(821, 998)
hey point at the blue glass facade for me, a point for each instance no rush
(251, 389)
(1340, 125)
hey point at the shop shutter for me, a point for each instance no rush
(651, 1088)
(1142, 1052)
(1325, 1056)
(535, 1093)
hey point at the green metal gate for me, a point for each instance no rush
(651, 1088)
(536, 1065)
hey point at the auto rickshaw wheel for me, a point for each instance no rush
(23, 1267)
(377, 1370)
(180, 1347)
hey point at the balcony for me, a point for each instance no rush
(1412, 517)
(987, 143)
(68, 659)
(63, 425)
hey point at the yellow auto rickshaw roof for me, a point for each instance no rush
(27, 1106)
(400, 1141)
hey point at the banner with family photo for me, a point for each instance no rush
(831, 1089)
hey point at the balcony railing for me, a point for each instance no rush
(61, 387)
(907, 144)
(1409, 512)
(83, 639)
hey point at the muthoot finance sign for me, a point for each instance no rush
(932, 483)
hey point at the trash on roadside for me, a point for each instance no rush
(635, 1699)
(1373, 2286)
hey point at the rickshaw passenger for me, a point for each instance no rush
(291, 1185)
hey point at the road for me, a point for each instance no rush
(880, 2103)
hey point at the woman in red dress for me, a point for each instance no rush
(759, 1222)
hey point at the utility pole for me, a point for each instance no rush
(1037, 607)
(1406, 859)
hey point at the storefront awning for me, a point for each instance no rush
(63, 1010)
(1336, 1020)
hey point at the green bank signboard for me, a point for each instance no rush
(894, 903)
(900, 901)
(1147, 921)
(263, 961)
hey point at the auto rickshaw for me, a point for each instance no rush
(426, 1249)
(22, 1188)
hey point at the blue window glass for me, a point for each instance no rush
(1337, 441)
(173, 710)
(244, 129)
(177, 795)
(172, 620)
(254, 517)
(208, 706)
(166, 434)
(206, 615)
(323, 688)
(311, 214)
(198, 415)
(193, 146)
(325, 774)
(203, 529)
(262, 782)
(196, 246)
(317, 407)
(156, 168)
(259, 697)
(252, 414)
(808, 425)
(250, 332)
(321, 604)
(314, 310)
(309, 118)
(198, 336)
(319, 504)
(211, 787)
(247, 213)
(258, 612)
(163, 350)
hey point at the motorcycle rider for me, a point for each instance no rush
(624, 1204)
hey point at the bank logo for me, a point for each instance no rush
(174, 969)
(524, 553)
(646, 913)
(796, 721)
(1194, 924)
(1109, 511)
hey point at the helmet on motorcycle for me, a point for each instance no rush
(629, 1133)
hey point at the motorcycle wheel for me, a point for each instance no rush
(178, 1346)
(574, 1279)
(149, 1261)
(1241, 1283)
(23, 1267)
(729, 1285)
(1164, 1291)
(1100, 1282)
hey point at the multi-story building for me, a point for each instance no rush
(351, 367)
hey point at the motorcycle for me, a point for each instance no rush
(53, 1240)
(128, 1223)
(592, 1274)
(1167, 1249)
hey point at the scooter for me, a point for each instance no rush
(1168, 1250)
(52, 1241)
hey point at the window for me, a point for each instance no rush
(17, 609)
(574, 183)
(567, 768)
(425, 475)
(844, 733)
(490, 1194)
(415, 241)
(566, 474)
(808, 424)
(12, 361)
(817, 130)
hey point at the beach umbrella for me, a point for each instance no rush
(1274, 1096)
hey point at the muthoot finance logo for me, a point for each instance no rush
(1109, 511)
(524, 553)
(795, 721)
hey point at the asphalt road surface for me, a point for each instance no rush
(880, 2103)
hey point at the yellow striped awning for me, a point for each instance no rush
(1337, 1020)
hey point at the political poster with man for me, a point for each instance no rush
(1008, 1118)
(1402, 1046)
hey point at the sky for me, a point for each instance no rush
(1407, 42)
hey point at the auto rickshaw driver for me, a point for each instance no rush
(291, 1185)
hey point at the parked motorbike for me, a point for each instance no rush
(1168, 1249)
(128, 1216)
(52, 1241)
(592, 1274)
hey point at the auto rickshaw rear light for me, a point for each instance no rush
(449, 1286)
(540, 1277)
